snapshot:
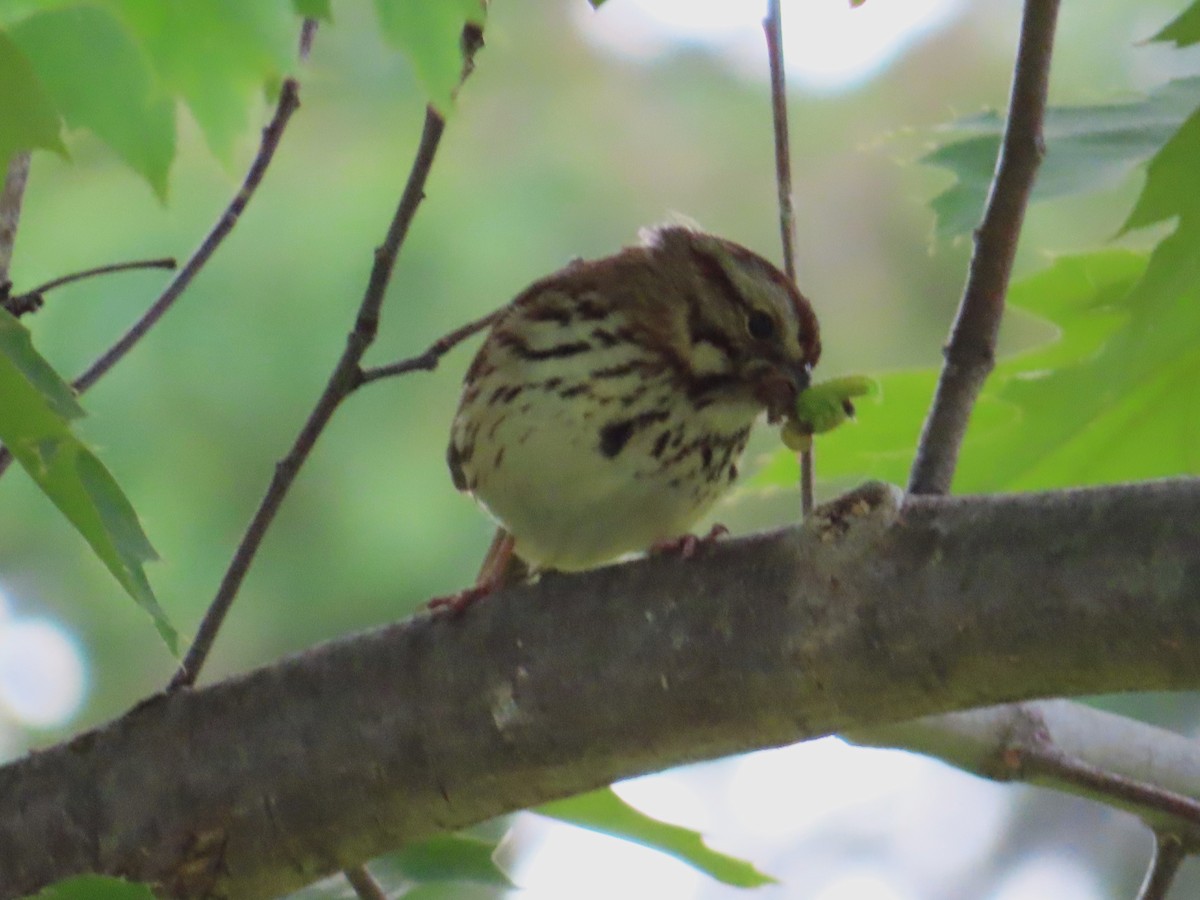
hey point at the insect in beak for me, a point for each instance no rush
(778, 387)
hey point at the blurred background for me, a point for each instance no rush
(577, 128)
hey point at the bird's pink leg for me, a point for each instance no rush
(499, 568)
(685, 545)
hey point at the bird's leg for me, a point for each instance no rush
(685, 545)
(500, 567)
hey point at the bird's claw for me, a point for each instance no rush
(685, 545)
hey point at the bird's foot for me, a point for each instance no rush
(454, 605)
(500, 567)
(685, 546)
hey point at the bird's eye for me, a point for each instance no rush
(760, 325)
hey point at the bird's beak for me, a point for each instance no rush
(778, 387)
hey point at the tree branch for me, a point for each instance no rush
(346, 377)
(863, 616)
(1151, 772)
(970, 353)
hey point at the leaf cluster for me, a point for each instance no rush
(1111, 397)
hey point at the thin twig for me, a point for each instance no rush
(1169, 852)
(970, 353)
(1064, 746)
(165, 262)
(289, 102)
(1030, 762)
(31, 300)
(364, 884)
(15, 179)
(773, 29)
(308, 31)
(428, 361)
(345, 378)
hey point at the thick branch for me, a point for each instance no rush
(257, 785)
(970, 353)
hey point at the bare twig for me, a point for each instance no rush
(288, 103)
(971, 349)
(308, 31)
(31, 300)
(364, 884)
(1032, 763)
(345, 378)
(1066, 746)
(10, 208)
(428, 361)
(773, 29)
(1169, 852)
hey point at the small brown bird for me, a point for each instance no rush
(610, 404)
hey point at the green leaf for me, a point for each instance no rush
(451, 857)
(430, 35)
(596, 4)
(605, 812)
(1088, 148)
(28, 116)
(1168, 178)
(95, 887)
(36, 407)
(218, 55)
(1184, 30)
(1067, 393)
(1113, 399)
(314, 9)
(1108, 400)
(101, 80)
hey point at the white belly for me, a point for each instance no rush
(539, 468)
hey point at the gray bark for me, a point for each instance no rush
(869, 614)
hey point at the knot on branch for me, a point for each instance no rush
(858, 516)
(964, 354)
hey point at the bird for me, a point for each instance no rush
(609, 405)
